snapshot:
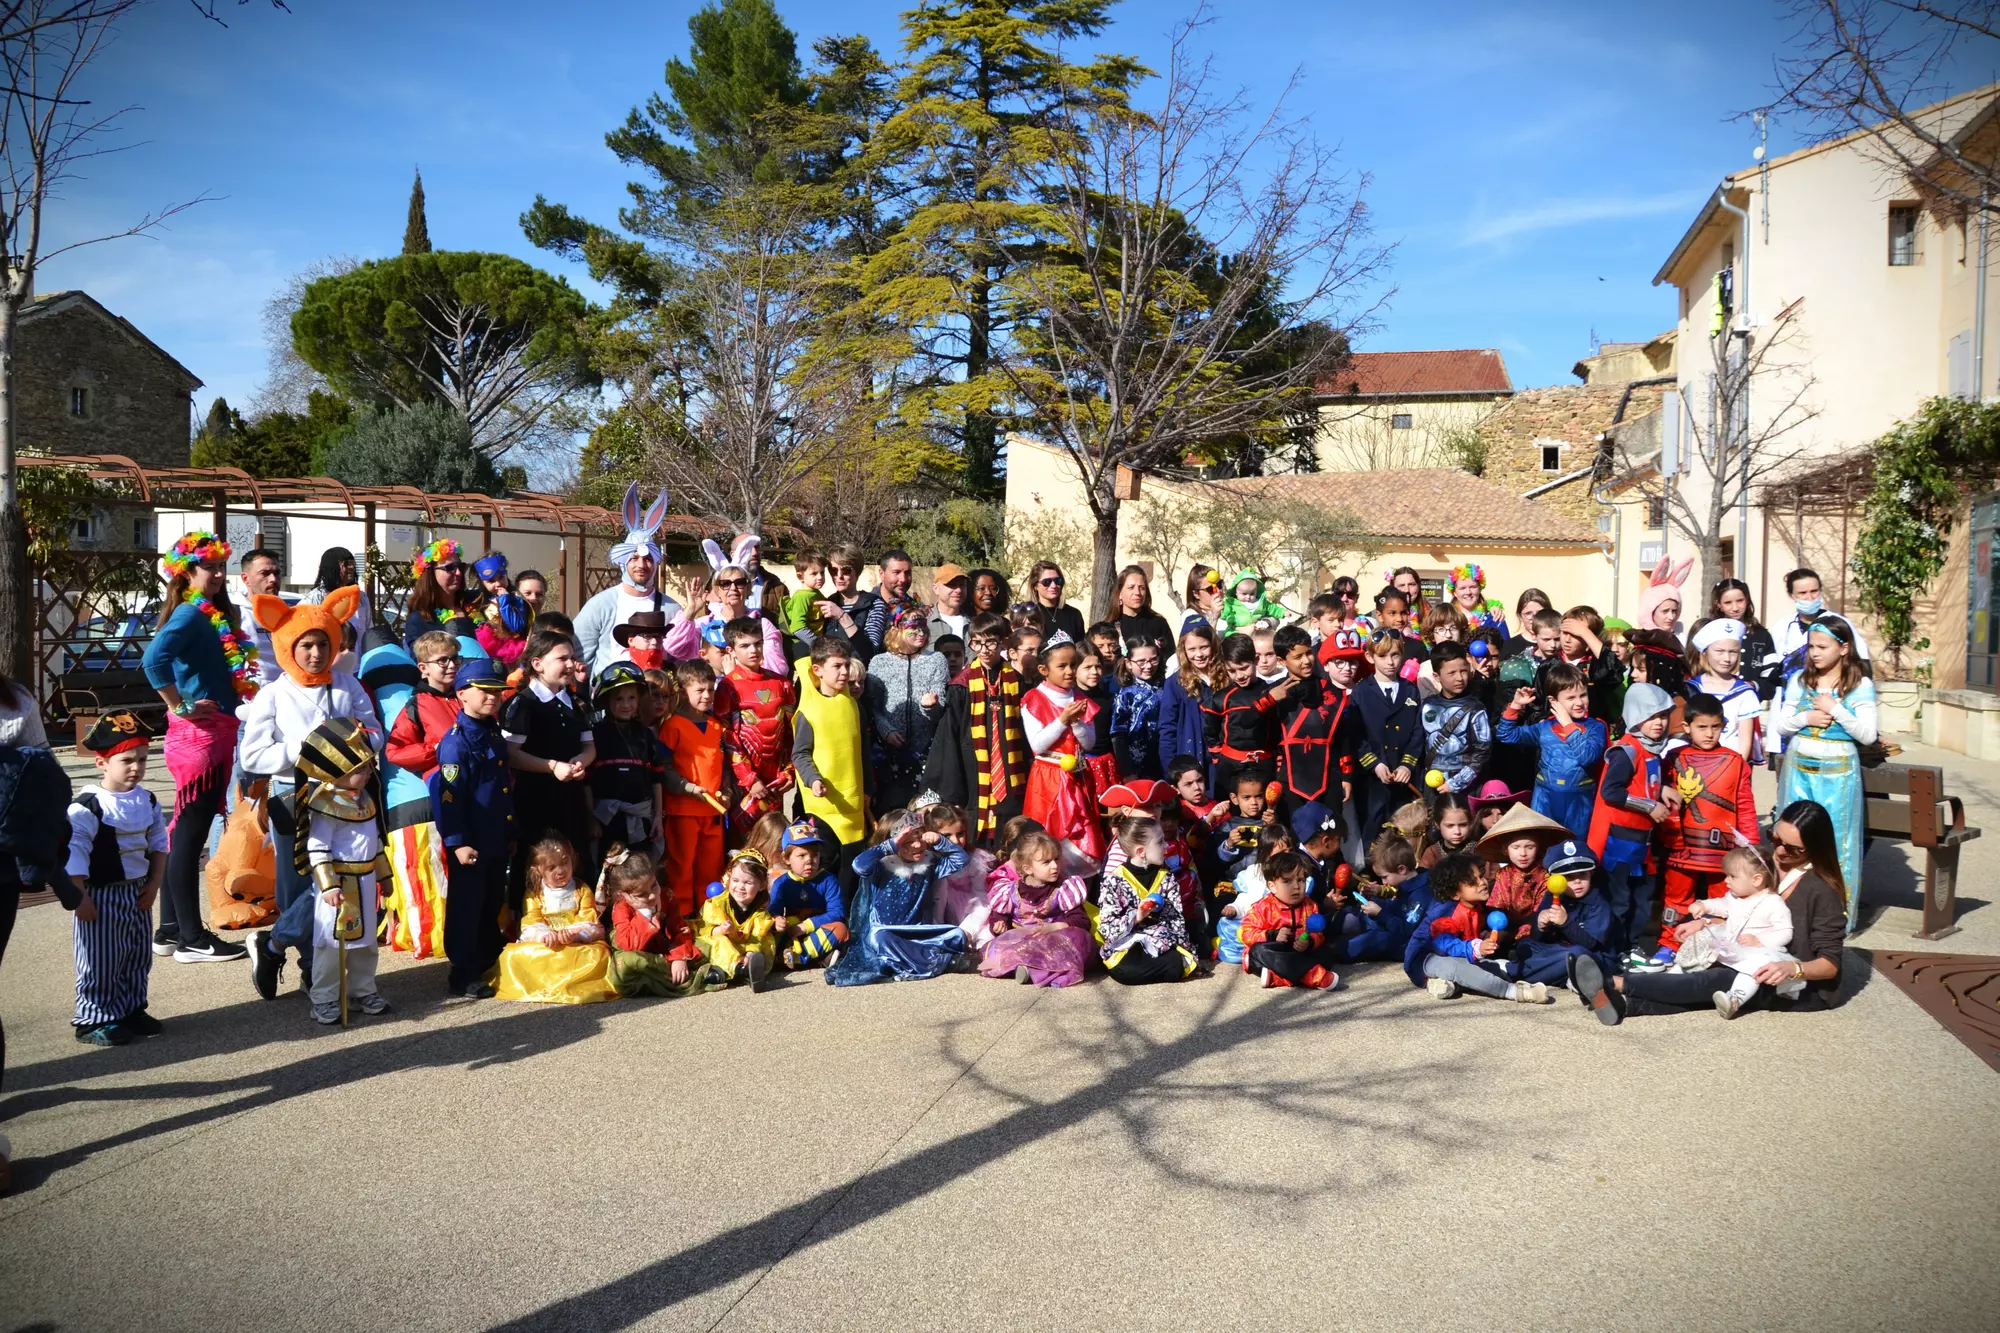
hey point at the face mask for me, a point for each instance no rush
(1812, 608)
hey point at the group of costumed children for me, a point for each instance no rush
(563, 838)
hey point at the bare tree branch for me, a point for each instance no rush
(1177, 227)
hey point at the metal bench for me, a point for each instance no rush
(1929, 819)
(89, 695)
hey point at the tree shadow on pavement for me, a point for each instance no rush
(1126, 1072)
(517, 1035)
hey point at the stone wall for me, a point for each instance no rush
(136, 399)
(1568, 417)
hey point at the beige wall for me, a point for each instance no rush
(1041, 478)
(1359, 436)
(1868, 339)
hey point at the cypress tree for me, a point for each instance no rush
(417, 231)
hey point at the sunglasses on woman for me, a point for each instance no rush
(732, 583)
(1052, 582)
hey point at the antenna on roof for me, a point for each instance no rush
(1595, 345)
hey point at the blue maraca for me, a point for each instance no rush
(1496, 920)
(1315, 923)
(714, 889)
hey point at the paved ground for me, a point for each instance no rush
(964, 1153)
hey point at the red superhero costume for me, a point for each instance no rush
(1716, 806)
(760, 741)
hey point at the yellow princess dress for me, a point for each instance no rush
(575, 972)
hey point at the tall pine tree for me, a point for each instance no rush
(976, 106)
(417, 230)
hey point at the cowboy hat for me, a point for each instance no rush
(1523, 821)
(650, 622)
(1494, 792)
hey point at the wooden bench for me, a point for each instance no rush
(1929, 819)
(89, 695)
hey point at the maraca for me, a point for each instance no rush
(1434, 779)
(1315, 924)
(1066, 762)
(1496, 925)
(714, 889)
(1558, 886)
(1272, 791)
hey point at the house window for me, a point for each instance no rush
(1552, 458)
(87, 530)
(1656, 512)
(1400, 421)
(79, 402)
(1902, 235)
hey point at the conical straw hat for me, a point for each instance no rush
(1521, 821)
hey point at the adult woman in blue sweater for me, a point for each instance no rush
(203, 666)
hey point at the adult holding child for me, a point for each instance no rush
(637, 557)
(203, 665)
(1807, 859)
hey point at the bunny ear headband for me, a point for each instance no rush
(639, 528)
(711, 552)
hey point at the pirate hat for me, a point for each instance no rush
(1523, 821)
(116, 732)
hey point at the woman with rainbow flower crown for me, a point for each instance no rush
(1466, 585)
(203, 666)
(437, 591)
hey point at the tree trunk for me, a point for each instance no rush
(1708, 566)
(1104, 559)
(981, 430)
(17, 594)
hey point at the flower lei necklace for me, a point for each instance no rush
(240, 653)
(201, 547)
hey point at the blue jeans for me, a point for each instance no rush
(295, 925)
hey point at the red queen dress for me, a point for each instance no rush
(1059, 796)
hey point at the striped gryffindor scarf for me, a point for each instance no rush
(1014, 755)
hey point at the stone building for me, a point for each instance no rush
(1387, 410)
(87, 382)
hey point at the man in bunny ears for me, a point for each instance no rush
(639, 558)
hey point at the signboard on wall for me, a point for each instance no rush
(1650, 554)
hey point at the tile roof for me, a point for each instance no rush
(1390, 374)
(1430, 505)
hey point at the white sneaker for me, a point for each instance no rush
(1442, 988)
(1727, 1005)
(1270, 981)
(1532, 992)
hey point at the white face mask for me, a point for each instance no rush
(1812, 608)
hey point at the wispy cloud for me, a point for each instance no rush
(1552, 214)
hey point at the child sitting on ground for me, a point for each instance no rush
(1234, 898)
(1451, 829)
(653, 951)
(960, 899)
(1515, 848)
(1752, 907)
(889, 939)
(738, 936)
(117, 856)
(1041, 935)
(807, 907)
(561, 957)
(1140, 912)
(1450, 949)
(1284, 934)
(1570, 922)
(1236, 838)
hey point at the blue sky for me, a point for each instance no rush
(1532, 164)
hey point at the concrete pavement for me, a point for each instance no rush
(971, 1153)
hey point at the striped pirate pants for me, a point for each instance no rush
(114, 955)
